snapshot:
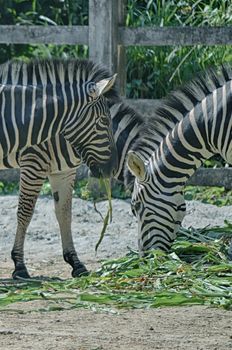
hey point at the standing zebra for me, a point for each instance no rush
(204, 129)
(56, 159)
(39, 100)
(42, 99)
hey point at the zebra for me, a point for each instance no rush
(41, 99)
(203, 128)
(58, 160)
(131, 132)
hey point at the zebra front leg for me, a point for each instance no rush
(62, 187)
(29, 191)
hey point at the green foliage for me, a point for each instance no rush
(178, 13)
(93, 189)
(154, 71)
(212, 195)
(80, 189)
(46, 189)
(195, 272)
(119, 191)
(8, 187)
(43, 12)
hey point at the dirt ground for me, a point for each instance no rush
(164, 328)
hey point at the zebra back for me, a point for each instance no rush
(41, 99)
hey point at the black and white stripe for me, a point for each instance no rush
(58, 160)
(42, 99)
(59, 100)
(201, 113)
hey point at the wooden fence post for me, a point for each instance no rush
(121, 58)
(104, 19)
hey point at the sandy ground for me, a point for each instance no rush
(165, 328)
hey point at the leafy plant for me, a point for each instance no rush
(197, 271)
(212, 195)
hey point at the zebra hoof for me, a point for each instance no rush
(80, 271)
(20, 274)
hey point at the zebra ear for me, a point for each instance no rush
(105, 85)
(136, 165)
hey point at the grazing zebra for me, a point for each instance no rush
(41, 99)
(203, 128)
(57, 159)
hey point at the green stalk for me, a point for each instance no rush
(108, 217)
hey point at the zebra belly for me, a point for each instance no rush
(57, 154)
(53, 156)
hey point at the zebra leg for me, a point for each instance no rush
(62, 187)
(29, 192)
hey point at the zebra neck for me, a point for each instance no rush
(205, 131)
(125, 137)
(182, 152)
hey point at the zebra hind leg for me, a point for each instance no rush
(25, 211)
(62, 187)
(29, 192)
(20, 270)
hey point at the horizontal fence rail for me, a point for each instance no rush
(170, 36)
(212, 177)
(59, 35)
(149, 36)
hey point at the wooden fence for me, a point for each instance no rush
(107, 37)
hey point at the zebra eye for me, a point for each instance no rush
(91, 89)
(105, 121)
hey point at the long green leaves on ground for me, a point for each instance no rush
(197, 271)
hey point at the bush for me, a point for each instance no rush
(154, 71)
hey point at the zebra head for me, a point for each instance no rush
(93, 138)
(159, 210)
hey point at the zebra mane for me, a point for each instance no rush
(54, 71)
(127, 114)
(178, 104)
(175, 107)
(126, 126)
